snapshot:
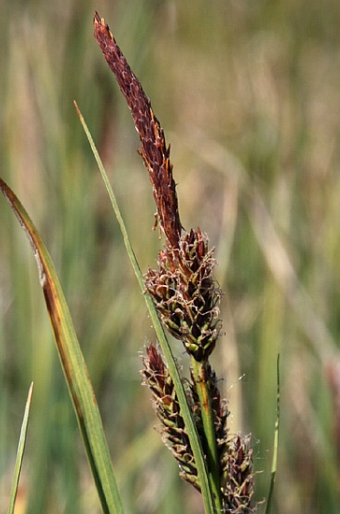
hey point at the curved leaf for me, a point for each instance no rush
(73, 364)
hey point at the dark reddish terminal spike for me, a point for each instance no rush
(155, 153)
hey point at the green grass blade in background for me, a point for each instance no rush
(207, 496)
(276, 443)
(73, 364)
(20, 452)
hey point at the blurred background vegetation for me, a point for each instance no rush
(248, 95)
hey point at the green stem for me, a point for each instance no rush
(203, 391)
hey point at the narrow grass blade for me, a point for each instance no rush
(276, 442)
(20, 452)
(185, 411)
(73, 364)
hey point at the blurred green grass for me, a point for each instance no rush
(248, 95)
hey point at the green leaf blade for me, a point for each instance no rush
(20, 452)
(73, 364)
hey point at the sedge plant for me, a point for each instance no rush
(183, 299)
(186, 299)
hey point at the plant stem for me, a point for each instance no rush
(200, 377)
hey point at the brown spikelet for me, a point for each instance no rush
(186, 296)
(238, 477)
(158, 379)
(154, 151)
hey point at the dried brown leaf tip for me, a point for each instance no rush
(154, 151)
